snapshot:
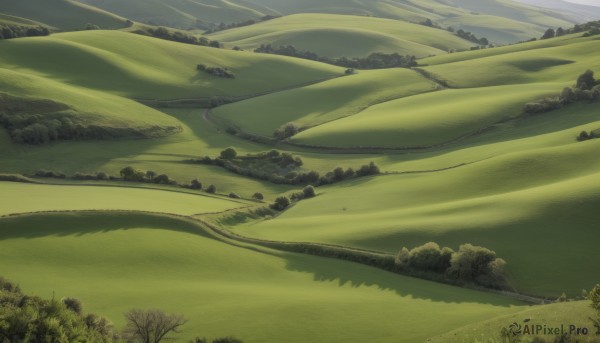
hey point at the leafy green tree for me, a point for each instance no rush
(212, 189)
(550, 33)
(286, 131)
(196, 184)
(281, 203)
(560, 32)
(228, 154)
(586, 81)
(308, 192)
(258, 196)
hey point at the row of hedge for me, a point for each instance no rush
(283, 162)
(16, 31)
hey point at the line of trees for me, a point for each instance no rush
(460, 32)
(177, 36)
(472, 264)
(216, 71)
(16, 31)
(376, 60)
(222, 26)
(586, 88)
(283, 168)
(592, 28)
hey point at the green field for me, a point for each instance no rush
(460, 163)
(115, 262)
(344, 36)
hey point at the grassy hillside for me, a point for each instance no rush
(181, 13)
(349, 36)
(111, 61)
(427, 119)
(227, 290)
(12, 20)
(62, 14)
(496, 29)
(323, 102)
(22, 198)
(528, 186)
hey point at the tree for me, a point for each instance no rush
(151, 326)
(212, 189)
(560, 32)
(196, 184)
(309, 191)
(233, 195)
(228, 154)
(227, 340)
(567, 95)
(281, 203)
(286, 131)
(586, 80)
(583, 136)
(162, 179)
(74, 305)
(258, 196)
(402, 258)
(549, 34)
(594, 297)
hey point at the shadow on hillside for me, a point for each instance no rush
(31, 226)
(348, 274)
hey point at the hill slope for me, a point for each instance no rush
(152, 261)
(344, 36)
(62, 14)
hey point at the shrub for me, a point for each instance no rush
(162, 179)
(258, 196)
(402, 259)
(473, 263)
(227, 340)
(101, 176)
(228, 154)
(281, 203)
(212, 189)
(586, 81)
(583, 136)
(74, 305)
(426, 257)
(196, 184)
(286, 131)
(308, 191)
(233, 195)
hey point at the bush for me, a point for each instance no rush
(258, 196)
(228, 154)
(196, 184)
(233, 195)
(429, 257)
(586, 81)
(74, 305)
(227, 340)
(212, 189)
(308, 192)
(286, 131)
(281, 203)
(478, 264)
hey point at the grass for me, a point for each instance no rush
(18, 21)
(426, 119)
(553, 316)
(496, 29)
(23, 198)
(152, 261)
(111, 61)
(62, 14)
(323, 102)
(344, 36)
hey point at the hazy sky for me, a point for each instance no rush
(586, 2)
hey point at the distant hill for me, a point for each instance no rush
(525, 21)
(344, 36)
(61, 14)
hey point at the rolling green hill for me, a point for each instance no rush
(111, 61)
(62, 14)
(344, 36)
(12, 20)
(113, 262)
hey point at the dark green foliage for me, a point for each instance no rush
(25, 318)
(375, 60)
(196, 184)
(90, 26)
(162, 179)
(222, 26)
(350, 71)
(16, 31)
(281, 203)
(227, 340)
(199, 340)
(258, 196)
(550, 33)
(286, 131)
(216, 71)
(471, 37)
(177, 36)
(594, 297)
(212, 189)
(308, 192)
(586, 81)
(233, 195)
(228, 153)
(560, 32)
(469, 264)
(74, 305)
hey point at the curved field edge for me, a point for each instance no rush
(142, 260)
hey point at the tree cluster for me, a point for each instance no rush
(282, 168)
(25, 318)
(594, 297)
(15, 31)
(585, 89)
(177, 36)
(222, 26)
(585, 136)
(41, 129)
(470, 263)
(286, 131)
(471, 37)
(591, 28)
(375, 60)
(216, 71)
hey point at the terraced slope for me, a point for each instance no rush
(62, 14)
(114, 262)
(344, 36)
